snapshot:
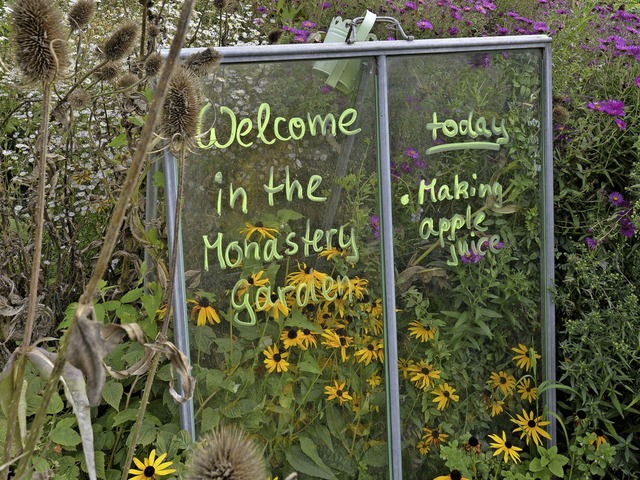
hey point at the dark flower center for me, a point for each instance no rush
(339, 393)
(599, 433)
(446, 393)
(581, 414)
(426, 370)
(293, 333)
(343, 341)
(435, 434)
(259, 224)
(306, 331)
(473, 441)
(370, 347)
(503, 380)
(277, 357)
(250, 280)
(508, 445)
(274, 297)
(308, 270)
(455, 475)
(149, 471)
(341, 331)
(531, 423)
(204, 302)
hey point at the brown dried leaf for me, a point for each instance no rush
(180, 363)
(138, 368)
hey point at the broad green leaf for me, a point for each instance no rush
(132, 295)
(112, 393)
(65, 436)
(127, 415)
(119, 141)
(287, 215)
(309, 448)
(303, 464)
(556, 469)
(377, 456)
(39, 464)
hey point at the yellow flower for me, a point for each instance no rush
(335, 340)
(372, 350)
(502, 445)
(599, 440)
(333, 252)
(272, 305)
(358, 287)
(204, 311)
(337, 391)
(433, 438)
(496, 406)
(403, 366)
(454, 475)
(527, 391)
(254, 280)
(526, 356)
(422, 373)
(502, 380)
(443, 394)
(308, 338)
(292, 337)
(260, 229)
(374, 380)
(423, 447)
(422, 333)
(152, 467)
(306, 275)
(531, 427)
(275, 360)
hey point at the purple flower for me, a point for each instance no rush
(453, 31)
(419, 163)
(261, 9)
(591, 243)
(325, 88)
(410, 5)
(326, 5)
(638, 81)
(616, 199)
(627, 229)
(374, 220)
(503, 31)
(411, 153)
(540, 27)
(470, 257)
(622, 125)
(406, 167)
(424, 24)
(610, 107)
(308, 24)
(299, 39)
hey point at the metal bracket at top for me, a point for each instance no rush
(395, 25)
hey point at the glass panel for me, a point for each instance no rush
(283, 265)
(466, 155)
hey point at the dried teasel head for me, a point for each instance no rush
(153, 30)
(221, 4)
(122, 41)
(79, 98)
(153, 64)
(40, 39)
(107, 72)
(203, 62)
(181, 107)
(127, 81)
(226, 453)
(81, 14)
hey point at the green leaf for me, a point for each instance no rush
(39, 464)
(119, 141)
(132, 295)
(56, 405)
(137, 120)
(112, 393)
(65, 436)
(556, 469)
(286, 215)
(309, 447)
(303, 464)
(377, 456)
(127, 415)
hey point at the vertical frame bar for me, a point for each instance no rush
(547, 270)
(180, 325)
(390, 331)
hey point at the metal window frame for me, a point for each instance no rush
(381, 51)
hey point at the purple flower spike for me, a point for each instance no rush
(591, 243)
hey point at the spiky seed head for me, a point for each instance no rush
(127, 81)
(153, 30)
(203, 62)
(226, 453)
(81, 14)
(153, 64)
(40, 39)
(122, 41)
(79, 98)
(108, 72)
(221, 4)
(181, 106)
(275, 35)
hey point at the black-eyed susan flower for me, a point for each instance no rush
(600, 438)
(579, 417)
(374, 380)
(422, 374)
(260, 229)
(502, 445)
(333, 252)
(525, 356)
(333, 340)
(527, 391)
(291, 337)
(203, 311)
(403, 367)
(308, 338)
(151, 467)
(422, 332)
(531, 427)
(443, 395)
(472, 445)
(254, 280)
(338, 391)
(272, 305)
(503, 381)
(275, 360)
(306, 275)
(372, 350)
(433, 437)
(453, 475)
(423, 447)
(373, 324)
(495, 405)
(358, 287)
